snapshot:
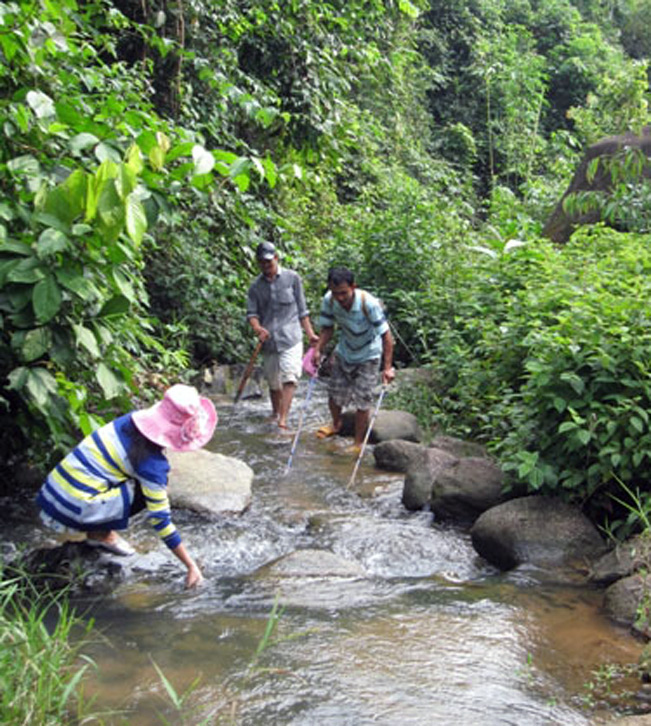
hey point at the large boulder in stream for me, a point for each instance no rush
(624, 571)
(422, 472)
(538, 530)
(470, 486)
(398, 455)
(624, 559)
(209, 483)
(455, 487)
(627, 602)
(388, 425)
(459, 447)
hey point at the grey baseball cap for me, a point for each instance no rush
(265, 251)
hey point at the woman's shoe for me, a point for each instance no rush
(116, 545)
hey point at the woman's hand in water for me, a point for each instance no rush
(194, 578)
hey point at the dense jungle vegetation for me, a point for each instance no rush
(146, 147)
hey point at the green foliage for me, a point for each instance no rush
(41, 670)
(636, 508)
(626, 201)
(554, 374)
(86, 169)
(618, 103)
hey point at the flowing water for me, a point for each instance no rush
(394, 620)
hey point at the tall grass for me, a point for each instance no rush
(40, 668)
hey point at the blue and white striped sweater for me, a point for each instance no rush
(88, 490)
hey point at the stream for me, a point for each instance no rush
(399, 622)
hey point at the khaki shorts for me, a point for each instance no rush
(285, 367)
(353, 383)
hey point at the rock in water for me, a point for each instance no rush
(209, 483)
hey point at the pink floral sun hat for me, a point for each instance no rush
(182, 421)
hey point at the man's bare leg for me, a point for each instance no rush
(361, 424)
(335, 412)
(287, 395)
(276, 403)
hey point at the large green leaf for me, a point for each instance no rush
(124, 285)
(118, 305)
(41, 104)
(50, 242)
(6, 266)
(46, 299)
(20, 248)
(35, 344)
(17, 378)
(87, 339)
(133, 159)
(125, 181)
(28, 270)
(73, 279)
(110, 383)
(111, 212)
(40, 384)
(76, 187)
(82, 141)
(136, 218)
(184, 149)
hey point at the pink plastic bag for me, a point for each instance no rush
(308, 363)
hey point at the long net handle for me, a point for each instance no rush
(366, 437)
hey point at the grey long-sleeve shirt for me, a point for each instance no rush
(279, 305)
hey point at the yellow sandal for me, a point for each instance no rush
(324, 432)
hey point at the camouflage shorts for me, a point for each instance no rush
(353, 383)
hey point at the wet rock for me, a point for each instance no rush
(398, 455)
(396, 425)
(72, 564)
(466, 489)
(625, 559)
(87, 569)
(314, 563)
(388, 425)
(421, 475)
(535, 529)
(209, 483)
(628, 601)
(458, 447)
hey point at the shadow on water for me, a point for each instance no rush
(389, 617)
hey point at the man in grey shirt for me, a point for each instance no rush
(276, 310)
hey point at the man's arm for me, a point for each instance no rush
(324, 338)
(309, 330)
(388, 371)
(261, 332)
(252, 314)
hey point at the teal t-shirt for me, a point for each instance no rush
(360, 329)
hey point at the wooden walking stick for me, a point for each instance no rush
(246, 374)
(366, 437)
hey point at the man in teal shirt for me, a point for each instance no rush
(365, 344)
